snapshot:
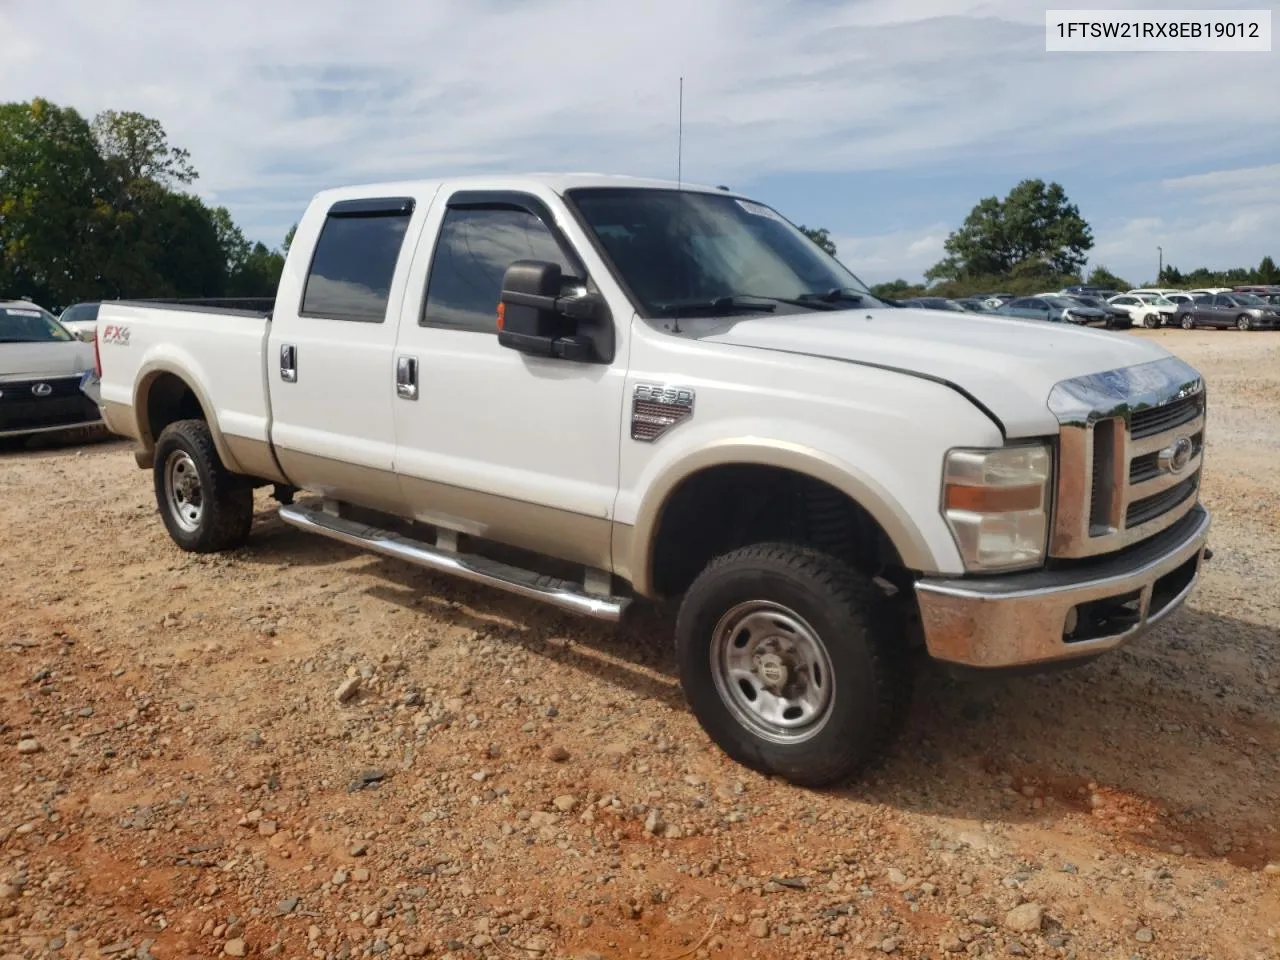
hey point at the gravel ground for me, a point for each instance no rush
(301, 750)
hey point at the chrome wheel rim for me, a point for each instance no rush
(772, 671)
(1186, 323)
(183, 491)
(1242, 323)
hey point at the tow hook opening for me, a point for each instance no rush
(1103, 618)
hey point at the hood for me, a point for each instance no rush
(58, 359)
(1007, 364)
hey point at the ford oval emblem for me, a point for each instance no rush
(42, 389)
(1175, 457)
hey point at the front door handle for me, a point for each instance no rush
(288, 363)
(407, 378)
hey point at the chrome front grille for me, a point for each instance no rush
(1129, 456)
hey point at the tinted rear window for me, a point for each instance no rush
(353, 265)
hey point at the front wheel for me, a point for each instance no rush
(205, 506)
(792, 663)
(1188, 323)
(1244, 322)
(1151, 321)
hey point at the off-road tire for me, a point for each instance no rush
(227, 507)
(860, 631)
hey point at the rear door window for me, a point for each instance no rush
(355, 260)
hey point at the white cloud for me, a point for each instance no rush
(904, 254)
(276, 100)
(1221, 219)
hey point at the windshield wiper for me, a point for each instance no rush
(834, 295)
(718, 305)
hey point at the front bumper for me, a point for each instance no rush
(46, 405)
(1053, 615)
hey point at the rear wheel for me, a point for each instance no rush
(792, 663)
(1244, 322)
(1151, 321)
(205, 506)
(1187, 322)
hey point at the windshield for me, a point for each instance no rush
(1155, 299)
(1249, 299)
(30, 325)
(674, 249)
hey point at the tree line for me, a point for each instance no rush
(98, 210)
(1034, 239)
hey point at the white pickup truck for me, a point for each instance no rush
(590, 389)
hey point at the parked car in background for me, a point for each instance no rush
(1146, 309)
(973, 305)
(934, 303)
(1180, 297)
(1117, 317)
(1086, 290)
(998, 300)
(1267, 291)
(1054, 309)
(1209, 291)
(81, 319)
(1244, 311)
(1152, 291)
(42, 368)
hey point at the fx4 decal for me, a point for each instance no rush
(112, 334)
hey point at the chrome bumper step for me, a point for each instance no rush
(526, 583)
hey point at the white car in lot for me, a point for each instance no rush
(1146, 309)
(43, 367)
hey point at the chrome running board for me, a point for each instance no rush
(525, 583)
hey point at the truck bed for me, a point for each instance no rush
(220, 350)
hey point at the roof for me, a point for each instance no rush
(21, 305)
(529, 182)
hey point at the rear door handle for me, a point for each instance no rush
(407, 378)
(288, 363)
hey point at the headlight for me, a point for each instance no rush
(996, 503)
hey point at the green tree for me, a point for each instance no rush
(822, 237)
(136, 147)
(259, 275)
(1033, 232)
(1100, 276)
(896, 289)
(288, 237)
(1267, 271)
(54, 218)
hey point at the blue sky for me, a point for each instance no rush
(882, 121)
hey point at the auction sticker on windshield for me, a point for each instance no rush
(759, 210)
(19, 312)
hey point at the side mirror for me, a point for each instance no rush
(534, 318)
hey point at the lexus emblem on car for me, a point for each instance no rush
(42, 389)
(1175, 457)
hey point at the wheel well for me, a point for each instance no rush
(726, 507)
(169, 400)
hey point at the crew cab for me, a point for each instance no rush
(594, 391)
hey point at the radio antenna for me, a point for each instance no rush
(680, 138)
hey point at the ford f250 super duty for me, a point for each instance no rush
(590, 389)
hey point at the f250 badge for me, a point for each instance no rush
(112, 334)
(656, 408)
